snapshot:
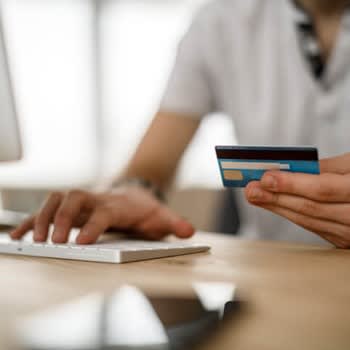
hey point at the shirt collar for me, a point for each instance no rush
(301, 15)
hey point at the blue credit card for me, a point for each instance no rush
(240, 165)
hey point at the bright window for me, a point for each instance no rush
(89, 76)
(52, 60)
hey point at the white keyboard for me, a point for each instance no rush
(116, 251)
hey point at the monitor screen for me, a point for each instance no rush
(10, 148)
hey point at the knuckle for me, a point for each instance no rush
(310, 207)
(105, 212)
(342, 238)
(45, 211)
(76, 194)
(63, 216)
(55, 196)
(42, 216)
(63, 212)
(95, 227)
(275, 199)
(284, 182)
(325, 189)
(101, 217)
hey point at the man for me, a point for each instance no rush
(281, 69)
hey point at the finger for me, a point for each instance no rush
(98, 223)
(23, 228)
(179, 226)
(45, 217)
(253, 191)
(339, 165)
(163, 222)
(324, 188)
(183, 229)
(337, 234)
(328, 211)
(67, 214)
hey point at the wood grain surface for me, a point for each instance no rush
(296, 296)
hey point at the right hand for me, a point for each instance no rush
(130, 209)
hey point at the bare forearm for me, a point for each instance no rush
(163, 145)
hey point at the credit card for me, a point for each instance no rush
(240, 165)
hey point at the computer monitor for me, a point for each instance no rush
(10, 146)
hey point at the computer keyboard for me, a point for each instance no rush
(111, 251)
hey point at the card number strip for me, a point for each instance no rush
(254, 166)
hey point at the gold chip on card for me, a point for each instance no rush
(233, 175)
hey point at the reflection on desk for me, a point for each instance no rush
(296, 296)
(128, 319)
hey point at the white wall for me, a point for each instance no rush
(51, 57)
(50, 51)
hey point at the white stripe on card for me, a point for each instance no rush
(254, 166)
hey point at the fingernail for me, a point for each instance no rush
(269, 181)
(255, 194)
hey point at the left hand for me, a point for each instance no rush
(318, 203)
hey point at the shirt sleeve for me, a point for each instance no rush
(188, 91)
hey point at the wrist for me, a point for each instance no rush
(144, 184)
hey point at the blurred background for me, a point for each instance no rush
(88, 77)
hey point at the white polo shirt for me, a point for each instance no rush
(243, 58)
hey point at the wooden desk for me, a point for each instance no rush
(298, 296)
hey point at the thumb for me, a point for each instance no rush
(164, 222)
(183, 229)
(180, 227)
(337, 165)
